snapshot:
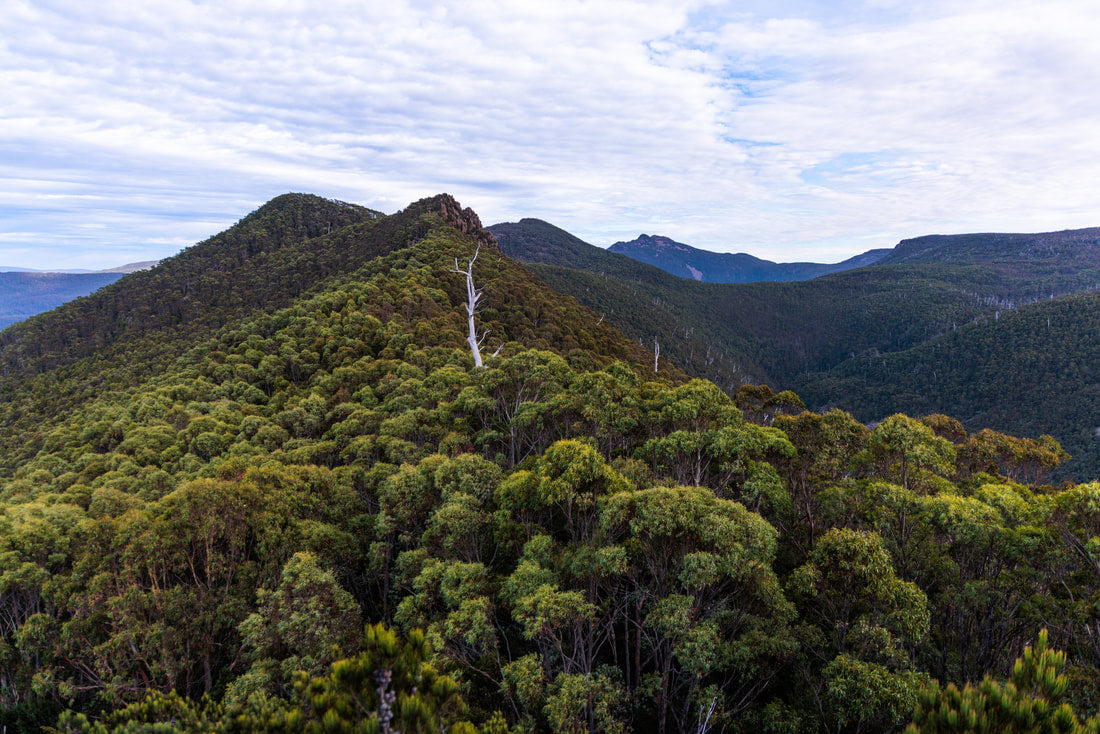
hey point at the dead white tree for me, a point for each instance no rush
(473, 296)
(656, 353)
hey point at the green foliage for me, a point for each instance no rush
(306, 623)
(865, 624)
(1029, 702)
(866, 696)
(157, 713)
(906, 449)
(390, 686)
(1022, 372)
(583, 703)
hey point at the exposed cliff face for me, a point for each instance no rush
(466, 221)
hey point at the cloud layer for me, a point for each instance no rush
(792, 130)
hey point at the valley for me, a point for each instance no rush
(922, 308)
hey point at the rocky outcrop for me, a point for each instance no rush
(466, 221)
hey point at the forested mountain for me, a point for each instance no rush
(70, 354)
(536, 241)
(793, 335)
(312, 512)
(722, 267)
(253, 265)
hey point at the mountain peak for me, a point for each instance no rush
(466, 220)
(656, 242)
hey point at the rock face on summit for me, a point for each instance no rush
(718, 267)
(465, 221)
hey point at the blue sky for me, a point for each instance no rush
(793, 130)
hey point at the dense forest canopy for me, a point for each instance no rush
(311, 512)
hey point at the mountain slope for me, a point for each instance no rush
(1029, 371)
(1081, 246)
(383, 285)
(292, 246)
(719, 267)
(268, 436)
(251, 265)
(536, 241)
(774, 331)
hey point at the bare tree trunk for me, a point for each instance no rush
(473, 295)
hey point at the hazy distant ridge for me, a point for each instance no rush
(127, 268)
(721, 267)
(25, 292)
(131, 267)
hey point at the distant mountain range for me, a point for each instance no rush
(25, 292)
(1067, 246)
(127, 268)
(720, 267)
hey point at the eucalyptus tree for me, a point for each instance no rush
(860, 626)
(703, 619)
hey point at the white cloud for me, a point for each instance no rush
(982, 113)
(796, 130)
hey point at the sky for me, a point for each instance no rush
(789, 129)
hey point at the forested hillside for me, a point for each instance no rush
(290, 246)
(765, 332)
(321, 516)
(1033, 368)
(820, 337)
